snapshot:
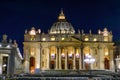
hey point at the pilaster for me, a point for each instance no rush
(26, 63)
(111, 59)
(48, 58)
(101, 57)
(37, 59)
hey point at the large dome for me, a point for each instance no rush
(62, 26)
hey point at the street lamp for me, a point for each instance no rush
(89, 59)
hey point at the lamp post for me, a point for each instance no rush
(89, 59)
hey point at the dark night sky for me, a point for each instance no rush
(18, 15)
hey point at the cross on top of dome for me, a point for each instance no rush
(61, 15)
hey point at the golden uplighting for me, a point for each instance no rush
(94, 39)
(61, 15)
(53, 38)
(43, 39)
(86, 39)
(63, 38)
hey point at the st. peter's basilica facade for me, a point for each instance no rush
(62, 48)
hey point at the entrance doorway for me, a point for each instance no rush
(106, 63)
(4, 65)
(63, 63)
(77, 64)
(52, 65)
(70, 64)
(32, 64)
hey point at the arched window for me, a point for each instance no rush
(106, 53)
(32, 51)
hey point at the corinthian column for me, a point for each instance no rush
(59, 58)
(48, 57)
(82, 57)
(66, 61)
(74, 58)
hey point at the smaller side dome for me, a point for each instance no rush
(32, 31)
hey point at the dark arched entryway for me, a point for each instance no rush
(106, 63)
(32, 64)
(70, 64)
(52, 64)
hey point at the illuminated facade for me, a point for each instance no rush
(10, 57)
(64, 49)
(117, 57)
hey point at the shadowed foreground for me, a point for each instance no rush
(68, 75)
